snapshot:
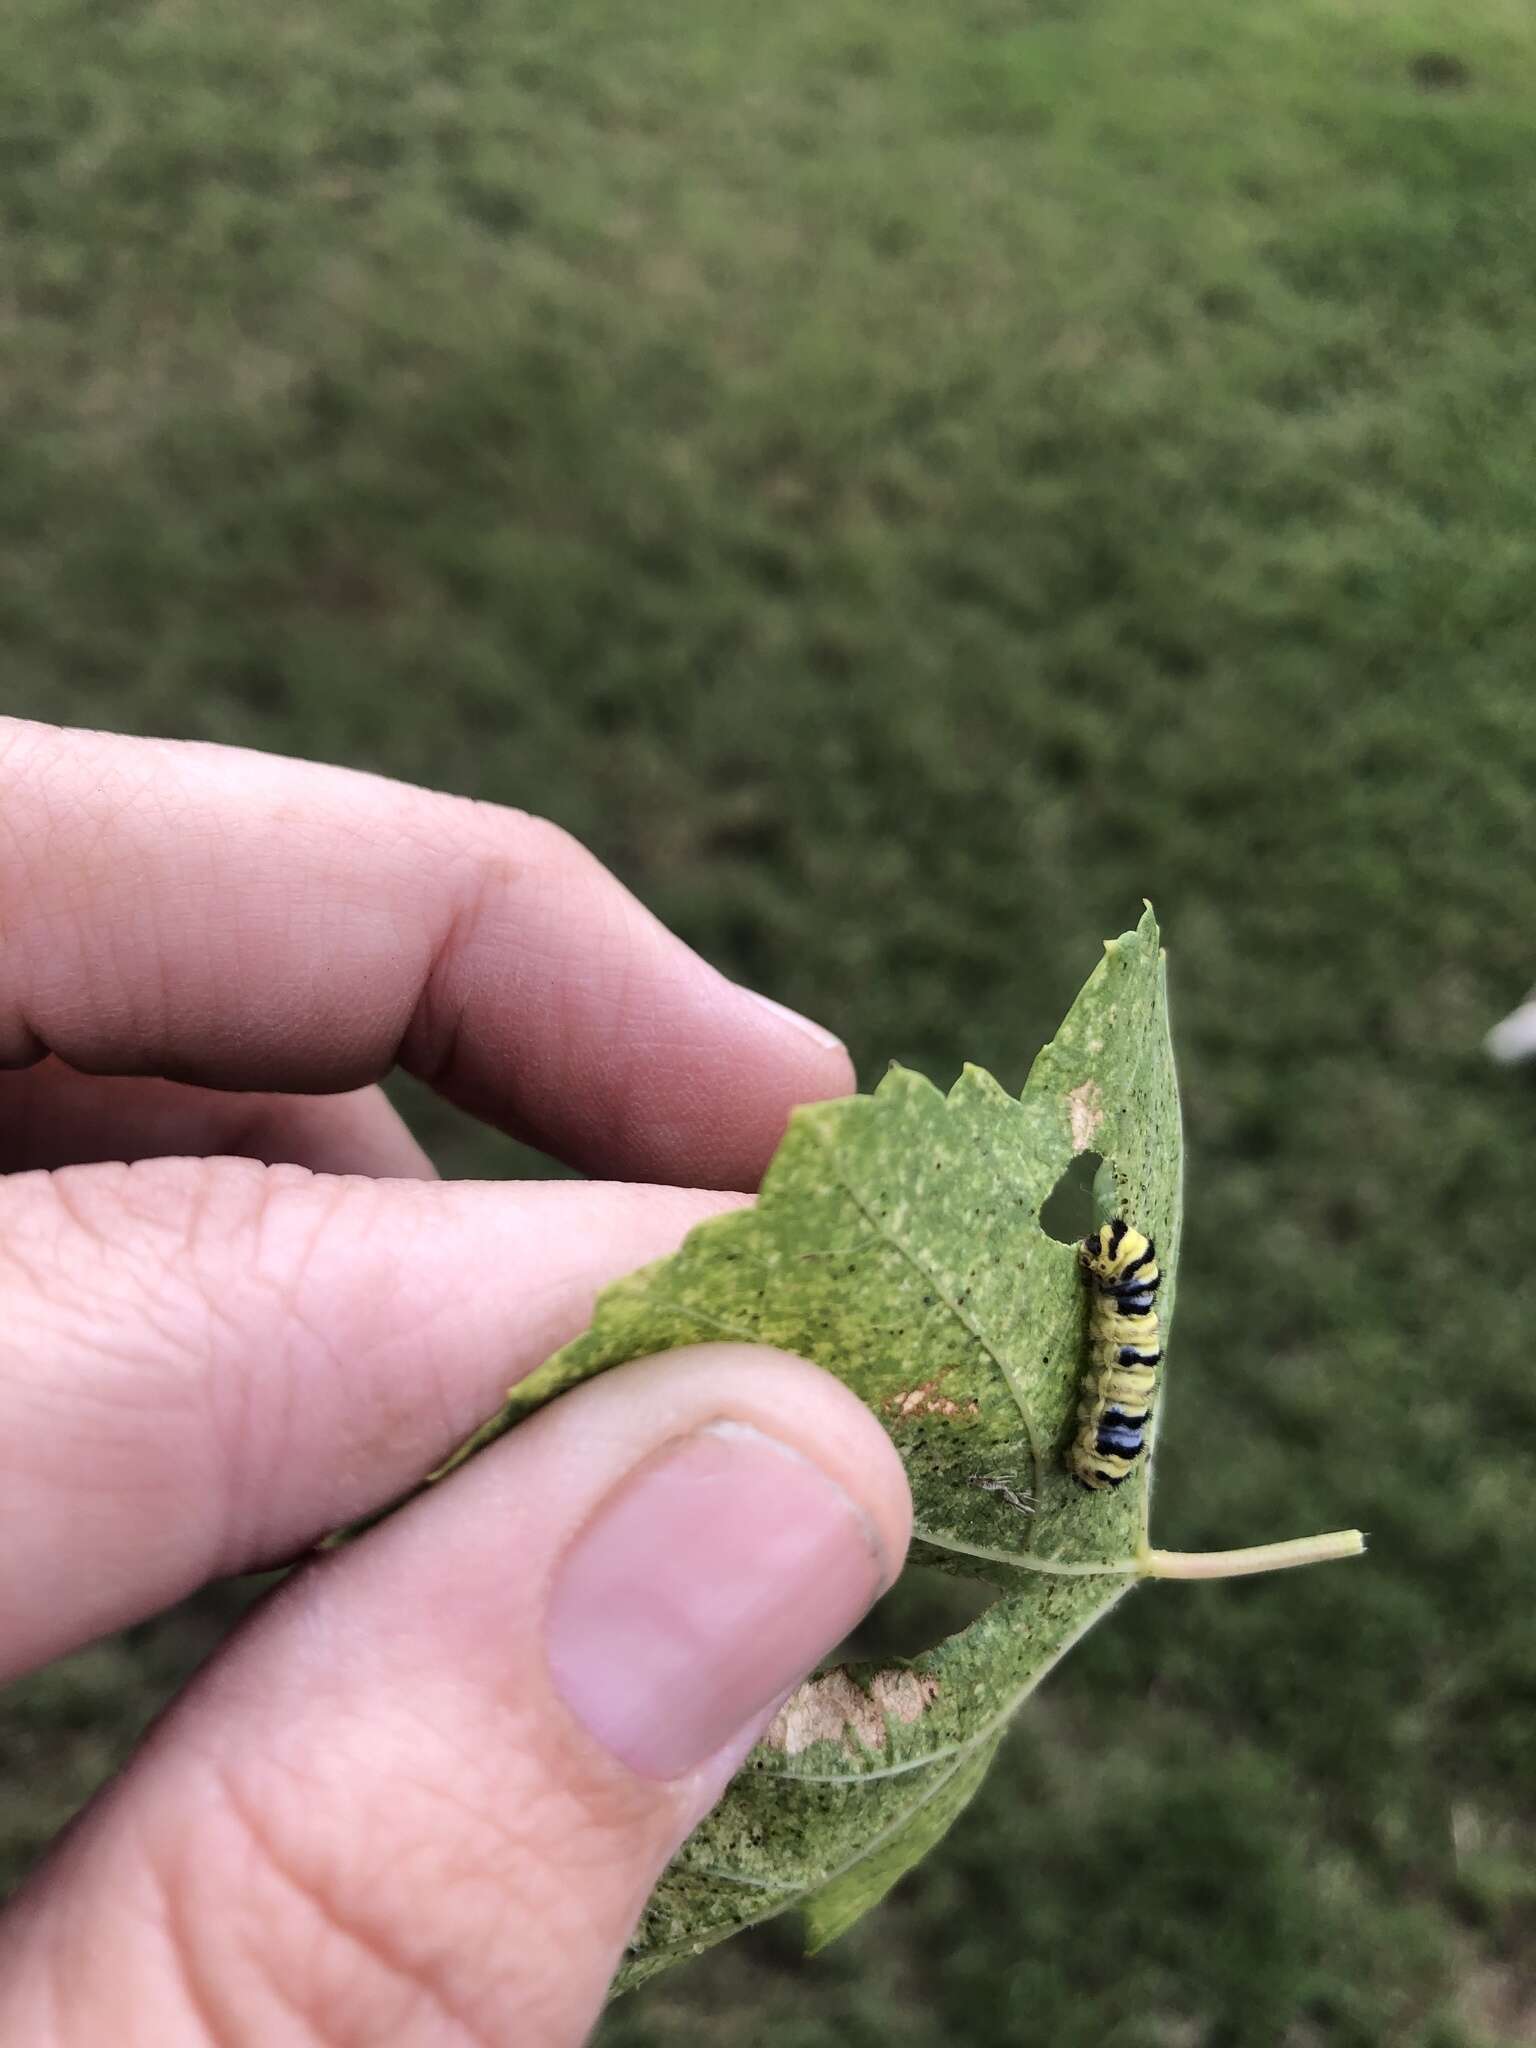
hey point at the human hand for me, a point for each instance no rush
(423, 1793)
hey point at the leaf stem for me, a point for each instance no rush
(1263, 1557)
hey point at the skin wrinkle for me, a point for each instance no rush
(61, 1188)
(431, 820)
(68, 1369)
(576, 1800)
(330, 1926)
(121, 1194)
(307, 1358)
(256, 1428)
(184, 1976)
(162, 913)
(431, 1045)
(84, 1481)
(432, 1383)
(617, 995)
(54, 1973)
(192, 1980)
(52, 1953)
(74, 844)
(152, 1263)
(189, 1317)
(150, 1364)
(418, 1978)
(626, 1013)
(25, 1047)
(131, 1378)
(347, 1216)
(546, 859)
(576, 1049)
(255, 1420)
(16, 1268)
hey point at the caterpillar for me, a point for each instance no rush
(1120, 1265)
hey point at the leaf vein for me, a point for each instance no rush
(1028, 1561)
(892, 1237)
(911, 1763)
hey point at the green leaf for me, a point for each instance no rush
(897, 1241)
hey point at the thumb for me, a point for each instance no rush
(423, 1795)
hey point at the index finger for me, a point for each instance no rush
(224, 917)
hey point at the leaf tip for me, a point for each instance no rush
(976, 1081)
(898, 1080)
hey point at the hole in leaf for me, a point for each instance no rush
(921, 1609)
(1082, 1199)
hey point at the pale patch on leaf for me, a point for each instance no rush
(926, 1399)
(1085, 1106)
(836, 1709)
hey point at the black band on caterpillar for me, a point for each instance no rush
(1120, 1265)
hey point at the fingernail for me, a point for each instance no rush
(708, 1581)
(827, 1040)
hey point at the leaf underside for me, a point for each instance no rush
(896, 1241)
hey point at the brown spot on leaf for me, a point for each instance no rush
(904, 1695)
(925, 1399)
(834, 1708)
(1085, 1108)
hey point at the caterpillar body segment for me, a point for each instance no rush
(1120, 1266)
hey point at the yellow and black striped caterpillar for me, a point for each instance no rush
(1120, 1265)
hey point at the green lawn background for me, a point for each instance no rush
(905, 482)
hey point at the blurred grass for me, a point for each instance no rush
(904, 483)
